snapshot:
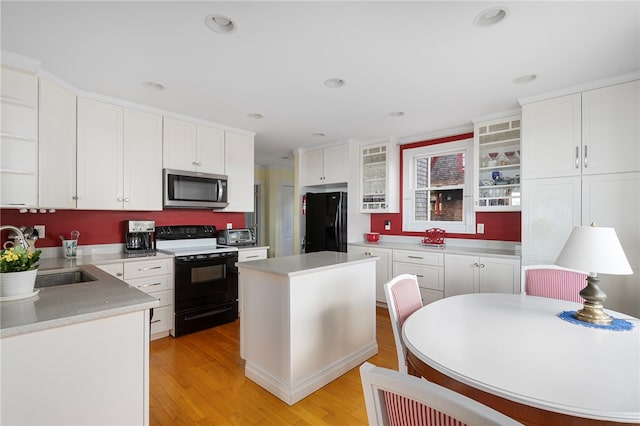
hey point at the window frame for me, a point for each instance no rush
(409, 223)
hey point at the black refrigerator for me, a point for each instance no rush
(326, 222)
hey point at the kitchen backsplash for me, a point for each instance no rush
(498, 226)
(106, 227)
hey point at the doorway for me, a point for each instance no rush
(255, 219)
(285, 221)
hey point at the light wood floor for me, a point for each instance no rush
(198, 379)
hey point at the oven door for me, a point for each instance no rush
(206, 292)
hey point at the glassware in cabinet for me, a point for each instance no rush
(497, 149)
(377, 177)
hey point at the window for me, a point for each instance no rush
(438, 187)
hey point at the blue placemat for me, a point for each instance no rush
(616, 325)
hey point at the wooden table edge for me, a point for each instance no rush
(525, 414)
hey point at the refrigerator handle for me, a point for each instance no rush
(338, 224)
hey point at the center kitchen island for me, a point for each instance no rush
(306, 319)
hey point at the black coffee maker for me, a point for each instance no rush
(139, 237)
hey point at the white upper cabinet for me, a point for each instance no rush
(119, 165)
(552, 137)
(100, 162)
(239, 164)
(497, 165)
(589, 133)
(325, 166)
(193, 147)
(312, 167)
(581, 165)
(379, 178)
(57, 147)
(142, 174)
(611, 129)
(18, 139)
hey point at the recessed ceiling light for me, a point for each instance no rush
(334, 83)
(491, 16)
(154, 85)
(396, 114)
(318, 135)
(255, 116)
(524, 79)
(220, 24)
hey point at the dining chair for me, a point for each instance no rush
(403, 299)
(395, 399)
(554, 282)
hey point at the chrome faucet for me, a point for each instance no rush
(18, 232)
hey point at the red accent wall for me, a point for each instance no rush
(107, 227)
(500, 226)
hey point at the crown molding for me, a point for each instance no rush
(596, 84)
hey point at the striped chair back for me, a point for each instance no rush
(554, 282)
(403, 411)
(397, 399)
(403, 299)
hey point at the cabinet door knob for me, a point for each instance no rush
(577, 157)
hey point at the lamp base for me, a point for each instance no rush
(593, 312)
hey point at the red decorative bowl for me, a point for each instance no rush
(372, 237)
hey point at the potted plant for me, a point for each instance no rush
(18, 270)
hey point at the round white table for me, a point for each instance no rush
(514, 353)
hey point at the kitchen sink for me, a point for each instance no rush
(62, 278)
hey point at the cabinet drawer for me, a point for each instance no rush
(165, 297)
(152, 284)
(428, 276)
(247, 255)
(420, 257)
(429, 296)
(115, 269)
(162, 320)
(147, 268)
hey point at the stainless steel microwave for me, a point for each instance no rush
(194, 190)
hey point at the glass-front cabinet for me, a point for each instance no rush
(379, 178)
(497, 163)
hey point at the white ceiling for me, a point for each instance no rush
(426, 59)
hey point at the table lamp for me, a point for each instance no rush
(594, 250)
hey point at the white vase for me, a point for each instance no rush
(14, 284)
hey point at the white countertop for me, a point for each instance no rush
(516, 347)
(51, 263)
(246, 248)
(449, 248)
(300, 264)
(72, 303)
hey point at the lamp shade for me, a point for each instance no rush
(594, 249)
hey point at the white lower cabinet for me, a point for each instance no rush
(428, 267)
(93, 372)
(480, 274)
(383, 266)
(154, 277)
(247, 255)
